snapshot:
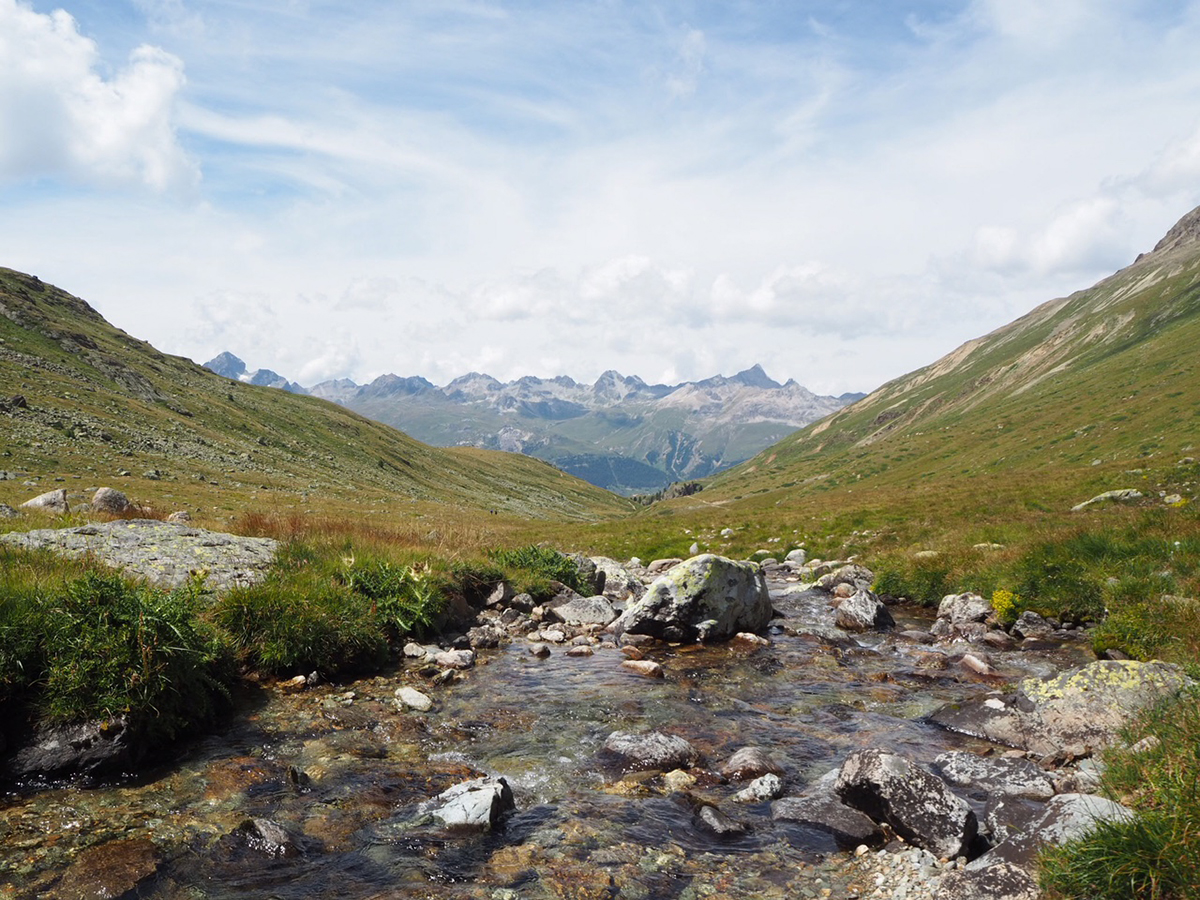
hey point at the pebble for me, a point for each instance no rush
(910, 874)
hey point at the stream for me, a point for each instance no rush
(346, 772)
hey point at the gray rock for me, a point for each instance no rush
(859, 577)
(584, 611)
(917, 805)
(180, 516)
(797, 557)
(995, 775)
(658, 566)
(761, 789)
(111, 501)
(749, 763)
(999, 881)
(500, 595)
(819, 807)
(455, 659)
(7, 512)
(483, 637)
(95, 747)
(1066, 817)
(650, 750)
(708, 598)
(863, 612)
(1080, 710)
(51, 502)
(414, 699)
(477, 805)
(269, 838)
(1032, 626)
(620, 585)
(591, 576)
(716, 822)
(1125, 495)
(963, 608)
(162, 552)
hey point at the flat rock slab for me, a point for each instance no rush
(164, 553)
(1080, 710)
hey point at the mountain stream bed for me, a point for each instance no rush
(347, 772)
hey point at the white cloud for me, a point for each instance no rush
(59, 116)
(689, 65)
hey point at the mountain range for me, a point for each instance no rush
(619, 433)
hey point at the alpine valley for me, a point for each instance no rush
(620, 433)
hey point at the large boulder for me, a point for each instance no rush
(620, 585)
(915, 803)
(995, 775)
(1078, 711)
(51, 502)
(96, 747)
(1067, 817)
(706, 598)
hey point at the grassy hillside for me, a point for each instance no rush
(99, 407)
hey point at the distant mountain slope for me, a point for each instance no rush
(1106, 377)
(80, 399)
(619, 433)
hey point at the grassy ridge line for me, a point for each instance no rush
(99, 401)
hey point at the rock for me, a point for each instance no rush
(1031, 626)
(413, 650)
(797, 557)
(716, 822)
(766, 787)
(414, 699)
(51, 502)
(694, 549)
(727, 532)
(554, 635)
(7, 512)
(749, 763)
(113, 869)
(859, 577)
(1080, 710)
(1125, 495)
(166, 554)
(111, 501)
(591, 576)
(752, 641)
(991, 775)
(863, 612)
(658, 566)
(269, 838)
(94, 747)
(707, 598)
(580, 651)
(486, 637)
(294, 685)
(677, 781)
(1066, 817)
(963, 608)
(477, 805)
(650, 750)
(1000, 881)
(620, 585)
(455, 659)
(541, 651)
(976, 664)
(821, 808)
(500, 595)
(585, 611)
(916, 804)
(180, 517)
(644, 667)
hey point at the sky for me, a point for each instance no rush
(840, 190)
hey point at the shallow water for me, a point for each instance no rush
(346, 773)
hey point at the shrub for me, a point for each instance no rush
(97, 646)
(404, 599)
(532, 569)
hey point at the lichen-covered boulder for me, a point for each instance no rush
(995, 775)
(706, 598)
(1078, 711)
(915, 803)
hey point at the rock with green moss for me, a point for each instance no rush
(1074, 713)
(706, 598)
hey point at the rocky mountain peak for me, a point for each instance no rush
(755, 376)
(226, 365)
(1182, 234)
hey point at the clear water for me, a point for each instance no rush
(580, 830)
